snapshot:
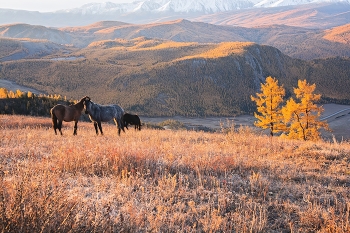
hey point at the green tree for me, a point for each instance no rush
(302, 117)
(269, 106)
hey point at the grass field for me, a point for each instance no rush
(168, 181)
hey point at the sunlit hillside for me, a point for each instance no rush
(161, 181)
(339, 34)
(95, 27)
(223, 50)
(157, 77)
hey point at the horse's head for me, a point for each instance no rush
(85, 98)
(87, 104)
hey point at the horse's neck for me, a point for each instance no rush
(79, 105)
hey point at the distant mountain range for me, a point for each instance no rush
(165, 10)
(37, 41)
(201, 6)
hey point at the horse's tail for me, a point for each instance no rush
(54, 119)
(122, 122)
(139, 122)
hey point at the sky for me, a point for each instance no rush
(50, 5)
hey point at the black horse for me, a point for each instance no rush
(130, 119)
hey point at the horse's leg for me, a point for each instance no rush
(59, 126)
(75, 127)
(54, 122)
(100, 127)
(55, 127)
(95, 125)
(118, 124)
(121, 124)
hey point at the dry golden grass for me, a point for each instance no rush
(168, 181)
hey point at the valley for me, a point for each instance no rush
(196, 68)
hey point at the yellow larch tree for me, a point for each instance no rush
(302, 118)
(19, 93)
(269, 106)
(30, 94)
(3, 93)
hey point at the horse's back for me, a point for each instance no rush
(58, 110)
(132, 119)
(66, 113)
(105, 113)
(119, 111)
(118, 108)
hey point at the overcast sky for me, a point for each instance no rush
(49, 5)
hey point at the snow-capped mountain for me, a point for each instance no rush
(146, 11)
(204, 6)
(186, 6)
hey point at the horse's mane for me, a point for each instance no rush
(84, 98)
(80, 101)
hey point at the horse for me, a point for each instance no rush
(104, 113)
(67, 113)
(132, 120)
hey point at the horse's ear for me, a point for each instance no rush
(87, 98)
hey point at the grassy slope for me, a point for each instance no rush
(168, 181)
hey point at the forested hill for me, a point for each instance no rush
(163, 78)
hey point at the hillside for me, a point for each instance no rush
(34, 32)
(15, 49)
(339, 34)
(165, 78)
(297, 42)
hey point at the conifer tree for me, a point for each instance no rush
(302, 118)
(19, 94)
(10, 94)
(3, 92)
(30, 94)
(269, 106)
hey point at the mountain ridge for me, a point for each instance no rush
(296, 42)
(338, 11)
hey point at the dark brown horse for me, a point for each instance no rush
(67, 113)
(130, 119)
